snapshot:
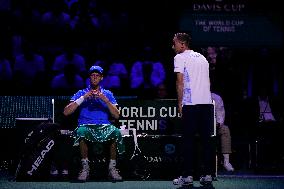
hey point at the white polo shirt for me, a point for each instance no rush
(195, 70)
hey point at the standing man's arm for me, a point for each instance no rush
(179, 88)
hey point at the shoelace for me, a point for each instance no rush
(114, 172)
(83, 172)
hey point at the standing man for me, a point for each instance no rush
(96, 105)
(195, 108)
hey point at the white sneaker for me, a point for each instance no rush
(183, 181)
(114, 174)
(228, 167)
(53, 172)
(84, 173)
(207, 180)
(64, 172)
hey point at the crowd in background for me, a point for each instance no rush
(40, 39)
(47, 46)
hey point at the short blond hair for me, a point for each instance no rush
(184, 37)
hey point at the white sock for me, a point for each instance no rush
(226, 158)
(85, 161)
(112, 164)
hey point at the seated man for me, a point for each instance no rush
(96, 106)
(223, 131)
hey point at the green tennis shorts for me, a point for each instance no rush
(99, 133)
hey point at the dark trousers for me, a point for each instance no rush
(198, 119)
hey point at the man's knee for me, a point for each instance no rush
(224, 130)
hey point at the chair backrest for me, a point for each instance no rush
(66, 122)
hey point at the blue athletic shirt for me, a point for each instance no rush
(94, 110)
